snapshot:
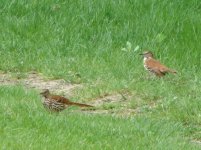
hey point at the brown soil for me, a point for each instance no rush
(39, 82)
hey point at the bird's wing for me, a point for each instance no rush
(157, 66)
(60, 99)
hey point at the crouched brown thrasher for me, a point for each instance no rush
(58, 103)
(155, 66)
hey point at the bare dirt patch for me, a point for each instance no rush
(196, 141)
(112, 98)
(117, 103)
(6, 79)
(39, 82)
(57, 86)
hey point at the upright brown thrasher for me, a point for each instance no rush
(155, 66)
(58, 103)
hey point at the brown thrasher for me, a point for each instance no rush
(155, 66)
(58, 103)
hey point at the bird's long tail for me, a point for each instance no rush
(172, 71)
(81, 105)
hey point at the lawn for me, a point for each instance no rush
(97, 44)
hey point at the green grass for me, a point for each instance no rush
(81, 42)
(26, 125)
